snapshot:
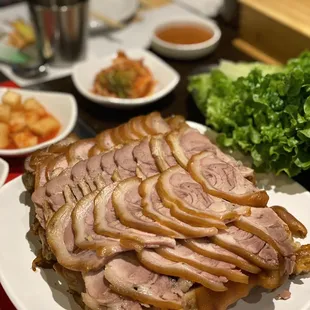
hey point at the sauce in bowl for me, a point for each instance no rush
(184, 34)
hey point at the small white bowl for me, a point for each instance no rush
(187, 51)
(166, 79)
(4, 171)
(61, 105)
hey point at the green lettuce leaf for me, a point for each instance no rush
(261, 110)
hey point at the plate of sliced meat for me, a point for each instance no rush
(152, 215)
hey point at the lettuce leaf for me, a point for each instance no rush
(265, 112)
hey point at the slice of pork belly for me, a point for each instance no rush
(143, 156)
(127, 204)
(104, 140)
(56, 165)
(159, 264)
(248, 246)
(221, 179)
(266, 224)
(81, 179)
(190, 219)
(79, 150)
(175, 121)
(216, 267)
(83, 227)
(177, 186)
(33, 160)
(125, 162)
(154, 209)
(116, 136)
(129, 278)
(99, 295)
(127, 134)
(161, 153)
(136, 126)
(60, 238)
(187, 142)
(108, 224)
(205, 247)
(155, 124)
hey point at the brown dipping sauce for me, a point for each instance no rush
(184, 34)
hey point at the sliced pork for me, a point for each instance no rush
(187, 142)
(126, 165)
(248, 246)
(104, 140)
(216, 267)
(83, 227)
(177, 186)
(61, 240)
(221, 179)
(297, 228)
(145, 161)
(108, 224)
(99, 295)
(129, 278)
(55, 166)
(266, 224)
(205, 247)
(155, 124)
(137, 127)
(161, 153)
(81, 179)
(159, 264)
(79, 150)
(175, 121)
(154, 209)
(127, 204)
(125, 131)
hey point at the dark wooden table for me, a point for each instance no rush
(177, 102)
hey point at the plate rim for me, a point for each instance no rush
(5, 165)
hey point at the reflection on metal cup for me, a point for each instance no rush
(61, 31)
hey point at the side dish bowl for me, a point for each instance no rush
(187, 51)
(166, 79)
(61, 105)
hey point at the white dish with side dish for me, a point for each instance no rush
(166, 79)
(60, 105)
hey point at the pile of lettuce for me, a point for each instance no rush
(261, 110)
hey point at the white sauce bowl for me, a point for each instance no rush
(187, 51)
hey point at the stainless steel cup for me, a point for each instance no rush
(61, 28)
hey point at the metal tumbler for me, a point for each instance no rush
(61, 28)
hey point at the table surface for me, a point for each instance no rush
(177, 102)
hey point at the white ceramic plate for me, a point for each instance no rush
(187, 51)
(118, 10)
(63, 106)
(166, 79)
(4, 171)
(39, 290)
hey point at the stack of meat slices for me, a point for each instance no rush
(151, 214)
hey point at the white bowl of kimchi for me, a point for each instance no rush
(126, 79)
(23, 131)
